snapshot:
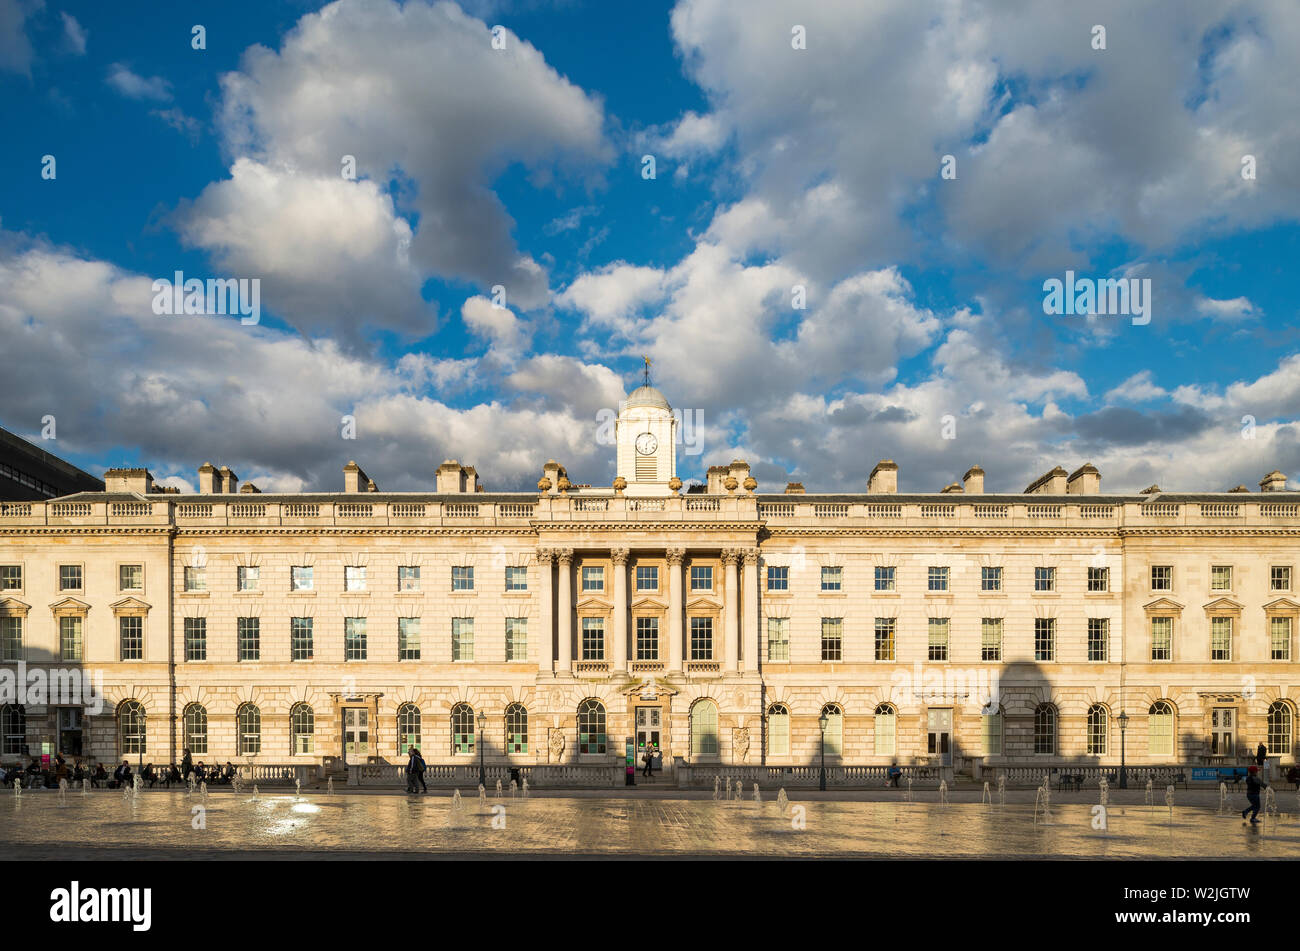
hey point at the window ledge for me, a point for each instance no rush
(248, 594)
(194, 594)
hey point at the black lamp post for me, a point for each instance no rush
(1123, 767)
(482, 725)
(821, 779)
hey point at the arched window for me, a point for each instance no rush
(704, 728)
(1160, 729)
(302, 724)
(834, 729)
(591, 727)
(248, 729)
(408, 727)
(1098, 730)
(1045, 729)
(886, 720)
(991, 730)
(13, 729)
(516, 728)
(778, 730)
(196, 729)
(462, 728)
(1279, 728)
(130, 728)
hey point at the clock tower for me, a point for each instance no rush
(646, 436)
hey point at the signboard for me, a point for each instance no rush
(46, 749)
(1214, 774)
(629, 747)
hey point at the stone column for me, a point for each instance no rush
(750, 618)
(675, 558)
(546, 617)
(620, 556)
(564, 610)
(731, 617)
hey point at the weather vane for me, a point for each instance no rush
(647, 369)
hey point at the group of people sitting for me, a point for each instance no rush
(36, 776)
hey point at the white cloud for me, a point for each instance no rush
(612, 292)
(508, 335)
(134, 86)
(1137, 389)
(74, 34)
(15, 48)
(1237, 308)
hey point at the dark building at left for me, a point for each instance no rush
(28, 472)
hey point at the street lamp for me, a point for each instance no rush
(821, 779)
(482, 725)
(1123, 768)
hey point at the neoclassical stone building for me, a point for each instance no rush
(717, 625)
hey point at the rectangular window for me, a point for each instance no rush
(593, 578)
(1098, 639)
(885, 580)
(1220, 577)
(938, 638)
(778, 638)
(516, 638)
(593, 638)
(991, 730)
(196, 579)
(1162, 577)
(11, 638)
(647, 577)
(1220, 638)
(70, 638)
(647, 638)
(70, 577)
(248, 577)
(408, 638)
(462, 638)
(196, 638)
(702, 578)
(300, 638)
(1279, 578)
(354, 638)
(701, 638)
(516, 578)
(778, 578)
(1162, 638)
(300, 578)
(832, 578)
(1044, 638)
(11, 577)
(249, 631)
(991, 639)
(886, 629)
(1098, 579)
(1044, 579)
(832, 639)
(991, 579)
(408, 577)
(937, 579)
(1279, 635)
(462, 578)
(131, 637)
(354, 577)
(130, 577)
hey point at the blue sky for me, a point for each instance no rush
(776, 166)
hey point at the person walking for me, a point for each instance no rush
(1253, 786)
(187, 765)
(1261, 760)
(649, 760)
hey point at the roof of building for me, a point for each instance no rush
(646, 396)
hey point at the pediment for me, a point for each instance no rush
(1223, 606)
(701, 601)
(593, 603)
(648, 686)
(129, 605)
(69, 606)
(12, 607)
(1282, 606)
(1162, 606)
(646, 602)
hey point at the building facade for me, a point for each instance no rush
(714, 625)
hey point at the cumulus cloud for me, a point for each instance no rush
(419, 97)
(74, 34)
(134, 86)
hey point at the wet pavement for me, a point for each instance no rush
(164, 824)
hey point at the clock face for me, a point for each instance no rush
(646, 443)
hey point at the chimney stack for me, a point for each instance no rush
(128, 480)
(1085, 480)
(228, 480)
(1049, 483)
(354, 480)
(207, 479)
(1273, 482)
(883, 479)
(973, 481)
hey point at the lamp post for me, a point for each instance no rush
(821, 779)
(482, 725)
(1123, 767)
